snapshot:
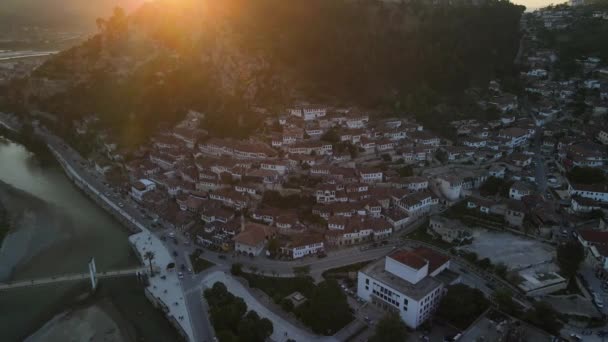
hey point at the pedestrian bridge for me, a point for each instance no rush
(70, 277)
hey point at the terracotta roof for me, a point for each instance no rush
(435, 259)
(408, 258)
(594, 236)
(253, 235)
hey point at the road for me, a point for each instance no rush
(541, 173)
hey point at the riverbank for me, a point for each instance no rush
(118, 311)
(66, 229)
(5, 224)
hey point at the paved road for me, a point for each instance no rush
(540, 174)
(595, 285)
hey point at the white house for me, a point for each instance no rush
(518, 190)
(514, 136)
(141, 187)
(596, 192)
(303, 245)
(252, 240)
(370, 175)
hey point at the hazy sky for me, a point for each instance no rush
(535, 4)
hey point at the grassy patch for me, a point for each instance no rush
(279, 288)
(326, 310)
(198, 264)
(342, 272)
(421, 234)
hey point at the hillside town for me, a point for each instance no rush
(503, 214)
(503, 194)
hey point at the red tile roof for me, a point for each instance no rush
(408, 258)
(435, 259)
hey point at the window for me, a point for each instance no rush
(367, 281)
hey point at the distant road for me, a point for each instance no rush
(8, 55)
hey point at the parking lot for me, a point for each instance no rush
(514, 251)
(597, 287)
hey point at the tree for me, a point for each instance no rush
(492, 186)
(390, 329)
(570, 255)
(504, 300)
(149, 255)
(406, 171)
(287, 304)
(462, 305)
(301, 271)
(327, 309)
(236, 269)
(442, 156)
(253, 328)
(331, 136)
(501, 270)
(274, 246)
(586, 175)
(545, 317)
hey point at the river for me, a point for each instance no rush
(57, 229)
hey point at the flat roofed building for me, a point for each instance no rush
(407, 282)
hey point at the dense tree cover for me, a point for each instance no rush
(579, 39)
(232, 321)
(570, 255)
(586, 175)
(505, 303)
(376, 54)
(4, 222)
(494, 186)
(545, 317)
(390, 329)
(275, 199)
(359, 50)
(327, 309)
(462, 305)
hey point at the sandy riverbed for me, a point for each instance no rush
(92, 323)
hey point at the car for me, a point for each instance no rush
(180, 275)
(121, 205)
(190, 270)
(576, 337)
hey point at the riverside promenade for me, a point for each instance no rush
(164, 288)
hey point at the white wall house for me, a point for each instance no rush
(141, 187)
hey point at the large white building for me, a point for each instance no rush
(407, 282)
